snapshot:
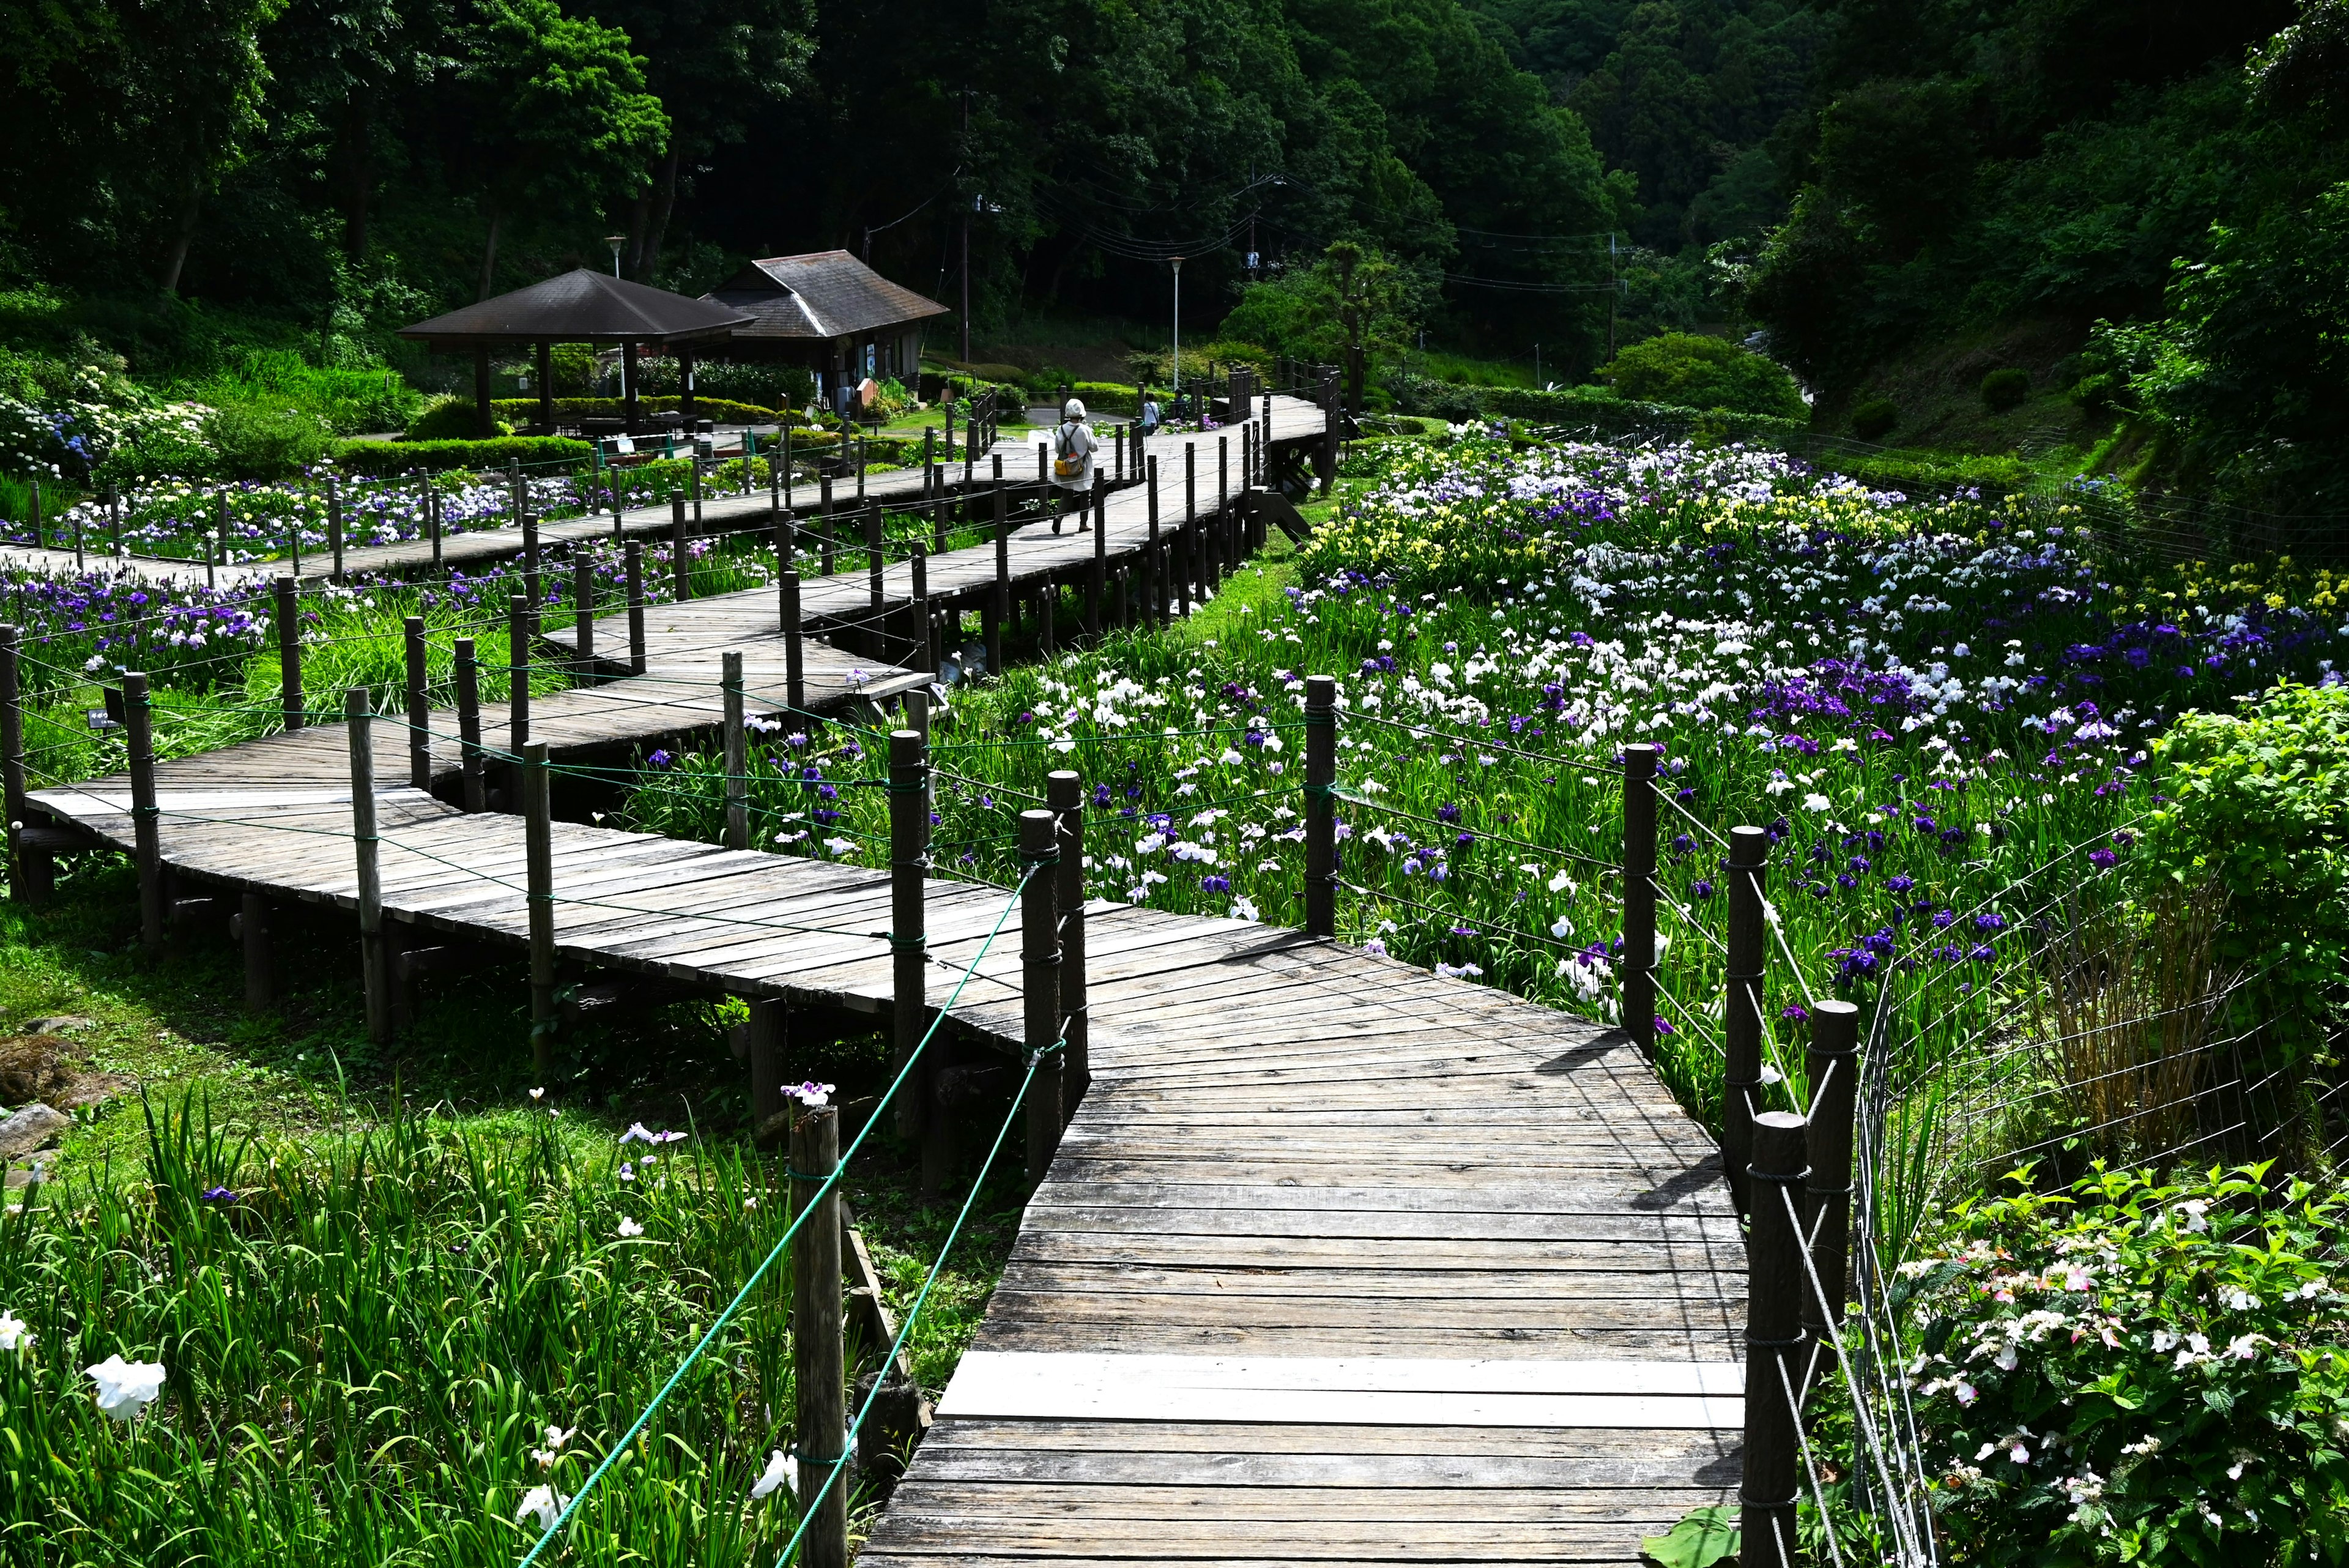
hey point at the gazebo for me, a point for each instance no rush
(579, 306)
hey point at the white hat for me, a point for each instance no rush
(1074, 408)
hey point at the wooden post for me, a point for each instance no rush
(876, 562)
(1320, 805)
(211, 543)
(114, 517)
(73, 514)
(582, 612)
(138, 730)
(419, 714)
(1064, 794)
(634, 556)
(40, 541)
(738, 754)
(1833, 1060)
(909, 866)
(1186, 542)
(1154, 563)
(767, 1032)
(680, 557)
(335, 523)
(517, 675)
(1773, 1342)
(795, 644)
(922, 652)
(1047, 598)
(1040, 979)
(1741, 1023)
(30, 872)
(823, 524)
(1329, 463)
(819, 1353)
(253, 937)
(783, 455)
(538, 851)
(375, 975)
(468, 726)
(1097, 587)
(432, 520)
(1222, 559)
(938, 515)
(532, 576)
(289, 655)
(999, 602)
(693, 479)
(1639, 978)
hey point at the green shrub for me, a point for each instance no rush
(2005, 389)
(1875, 418)
(1108, 397)
(1698, 372)
(524, 410)
(2137, 1374)
(353, 400)
(447, 419)
(378, 457)
(2259, 801)
(254, 441)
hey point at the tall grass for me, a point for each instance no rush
(365, 1338)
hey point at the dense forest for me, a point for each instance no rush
(2139, 205)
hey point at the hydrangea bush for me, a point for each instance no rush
(2138, 1371)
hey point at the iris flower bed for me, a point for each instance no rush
(1920, 702)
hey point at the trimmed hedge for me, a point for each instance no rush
(523, 410)
(379, 457)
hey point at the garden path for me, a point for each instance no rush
(1337, 1261)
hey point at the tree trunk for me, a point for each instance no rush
(639, 214)
(357, 169)
(490, 253)
(664, 203)
(182, 235)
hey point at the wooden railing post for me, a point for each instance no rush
(468, 726)
(289, 654)
(27, 884)
(432, 520)
(1186, 538)
(819, 1353)
(146, 813)
(738, 754)
(538, 850)
(921, 651)
(1224, 557)
(1039, 978)
(517, 678)
(1741, 1023)
(1064, 794)
(634, 560)
(787, 587)
(877, 565)
(334, 523)
(1096, 586)
(253, 939)
(582, 612)
(680, 556)
(1153, 568)
(1639, 962)
(1773, 1342)
(999, 602)
(909, 866)
(532, 576)
(420, 712)
(1320, 805)
(1833, 1063)
(374, 974)
(823, 525)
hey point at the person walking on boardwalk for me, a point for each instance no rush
(1072, 464)
(1150, 413)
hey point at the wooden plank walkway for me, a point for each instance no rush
(1337, 1261)
(1294, 419)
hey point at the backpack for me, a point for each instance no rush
(1066, 463)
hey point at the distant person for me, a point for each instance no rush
(1151, 414)
(1072, 464)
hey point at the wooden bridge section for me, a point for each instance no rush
(1337, 1261)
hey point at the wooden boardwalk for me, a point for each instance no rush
(1337, 1261)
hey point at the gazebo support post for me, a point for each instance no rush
(684, 388)
(628, 384)
(546, 387)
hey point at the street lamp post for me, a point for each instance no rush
(1178, 326)
(616, 241)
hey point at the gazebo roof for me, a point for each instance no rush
(827, 293)
(578, 306)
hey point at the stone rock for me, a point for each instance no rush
(31, 1067)
(63, 1024)
(23, 1176)
(91, 1089)
(34, 1126)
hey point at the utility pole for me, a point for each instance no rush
(966, 233)
(1614, 293)
(1537, 380)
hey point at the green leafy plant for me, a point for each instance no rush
(2005, 389)
(2136, 1372)
(447, 419)
(1704, 1537)
(1701, 372)
(2259, 803)
(254, 441)
(1874, 418)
